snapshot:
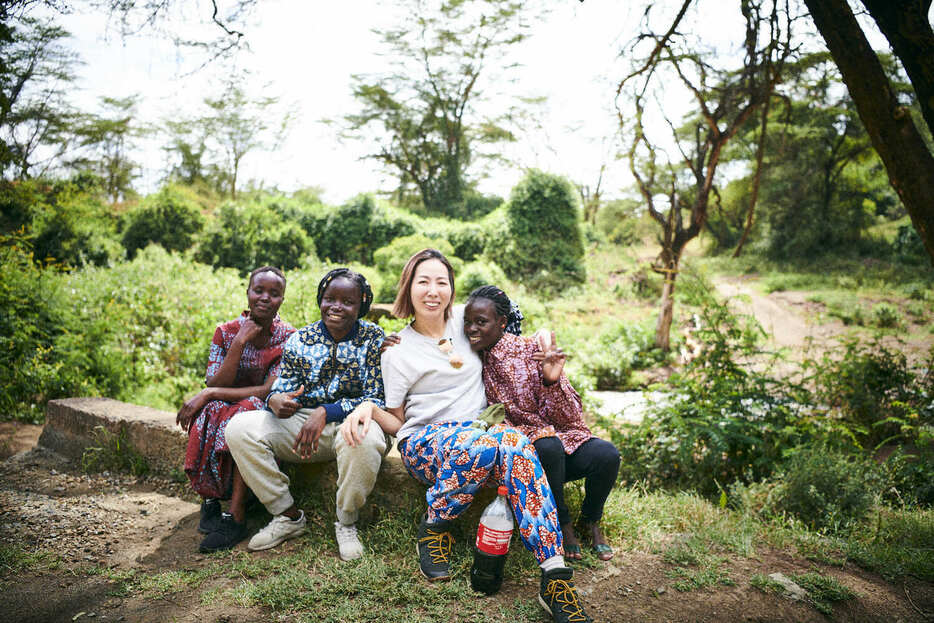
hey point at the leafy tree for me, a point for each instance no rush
(424, 115)
(169, 218)
(895, 136)
(545, 242)
(107, 139)
(35, 72)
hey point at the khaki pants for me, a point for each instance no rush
(257, 438)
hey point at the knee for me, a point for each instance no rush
(608, 456)
(549, 449)
(238, 428)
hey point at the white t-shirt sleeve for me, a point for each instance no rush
(396, 376)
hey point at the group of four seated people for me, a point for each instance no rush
(334, 391)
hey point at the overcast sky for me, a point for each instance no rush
(307, 53)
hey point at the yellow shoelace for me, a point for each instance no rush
(439, 545)
(564, 593)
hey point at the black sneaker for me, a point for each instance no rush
(559, 597)
(210, 515)
(434, 545)
(228, 533)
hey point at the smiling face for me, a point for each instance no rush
(264, 296)
(340, 306)
(431, 290)
(482, 325)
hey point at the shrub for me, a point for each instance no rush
(391, 259)
(826, 490)
(468, 240)
(476, 274)
(170, 218)
(244, 237)
(885, 316)
(873, 391)
(545, 245)
(611, 358)
(617, 221)
(354, 231)
(908, 247)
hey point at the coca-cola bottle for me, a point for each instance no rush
(489, 554)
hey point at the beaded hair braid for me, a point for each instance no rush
(366, 294)
(502, 304)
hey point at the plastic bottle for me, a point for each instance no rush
(489, 555)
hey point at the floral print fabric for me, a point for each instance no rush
(455, 460)
(207, 458)
(512, 377)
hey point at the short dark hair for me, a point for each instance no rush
(402, 307)
(503, 306)
(266, 269)
(366, 293)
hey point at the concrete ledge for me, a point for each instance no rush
(70, 425)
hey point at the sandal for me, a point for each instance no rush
(603, 551)
(573, 552)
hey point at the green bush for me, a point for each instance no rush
(352, 232)
(244, 237)
(871, 388)
(545, 247)
(476, 274)
(170, 218)
(468, 240)
(391, 259)
(611, 358)
(826, 490)
(908, 247)
(885, 316)
(617, 221)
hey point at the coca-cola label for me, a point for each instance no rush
(494, 542)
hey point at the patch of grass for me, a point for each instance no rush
(765, 584)
(168, 582)
(695, 566)
(898, 543)
(823, 591)
(113, 452)
(14, 559)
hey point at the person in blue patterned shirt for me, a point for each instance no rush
(325, 405)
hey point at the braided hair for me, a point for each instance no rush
(366, 294)
(503, 306)
(266, 269)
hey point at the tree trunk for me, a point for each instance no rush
(905, 25)
(760, 152)
(893, 134)
(666, 311)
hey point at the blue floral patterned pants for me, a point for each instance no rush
(455, 460)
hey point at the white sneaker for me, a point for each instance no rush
(347, 541)
(280, 529)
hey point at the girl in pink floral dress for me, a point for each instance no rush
(527, 376)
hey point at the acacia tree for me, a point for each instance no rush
(423, 114)
(35, 71)
(725, 99)
(907, 158)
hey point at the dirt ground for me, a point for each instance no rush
(119, 522)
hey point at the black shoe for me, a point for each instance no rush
(228, 533)
(210, 515)
(434, 546)
(559, 597)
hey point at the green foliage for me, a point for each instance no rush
(391, 259)
(616, 220)
(871, 388)
(610, 359)
(476, 274)
(885, 316)
(113, 452)
(244, 237)
(468, 240)
(170, 218)
(31, 318)
(822, 590)
(826, 490)
(354, 231)
(908, 247)
(545, 245)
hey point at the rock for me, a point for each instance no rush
(660, 590)
(792, 590)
